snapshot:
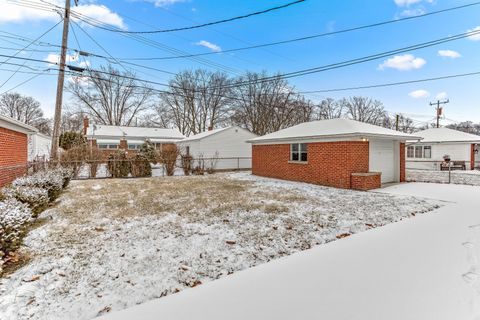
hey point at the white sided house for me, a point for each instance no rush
(39, 146)
(429, 153)
(222, 149)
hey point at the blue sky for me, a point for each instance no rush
(303, 19)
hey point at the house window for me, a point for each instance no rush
(107, 146)
(419, 152)
(134, 146)
(298, 152)
(427, 152)
(410, 151)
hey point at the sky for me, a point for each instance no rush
(304, 19)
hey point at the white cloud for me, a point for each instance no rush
(449, 54)
(54, 58)
(406, 3)
(441, 96)
(16, 13)
(475, 37)
(417, 94)
(209, 45)
(412, 12)
(163, 3)
(404, 62)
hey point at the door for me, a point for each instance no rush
(382, 159)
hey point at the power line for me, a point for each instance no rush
(392, 83)
(325, 34)
(204, 24)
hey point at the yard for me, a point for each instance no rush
(110, 244)
(468, 177)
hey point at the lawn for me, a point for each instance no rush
(110, 244)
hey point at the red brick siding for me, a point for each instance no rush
(402, 162)
(472, 157)
(329, 163)
(13, 155)
(367, 182)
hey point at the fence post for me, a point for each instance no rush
(238, 163)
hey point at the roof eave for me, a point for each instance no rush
(336, 136)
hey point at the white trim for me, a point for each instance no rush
(14, 125)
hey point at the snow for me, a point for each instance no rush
(204, 134)
(113, 247)
(422, 268)
(333, 128)
(142, 133)
(470, 177)
(446, 135)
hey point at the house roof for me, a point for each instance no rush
(16, 125)
(333, 128)
(447, 135)
(204, 134)
(133, 132)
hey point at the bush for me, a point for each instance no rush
(93, 157)
(52, 181)
(74, 158)
(71, 139)
(36, 198)
(186, 164)
(118, 164)
(140, 166)
(14, 219)
(147, 150)
(168, 157)
(66, 173)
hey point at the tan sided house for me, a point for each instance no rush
(340, 153)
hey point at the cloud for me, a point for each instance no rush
(441, 96)
(412, 12)
(417, 94)
(163, 3)
(209, 45)
(16, 13)
(54, 58)
(449, 54)
(403, 63)
(475, 37)
(406, 3)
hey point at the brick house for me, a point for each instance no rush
(111, 138)
(14, 136)
(340, 153)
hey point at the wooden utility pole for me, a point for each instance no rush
(439, 109)
(397, 119)
(61, 79)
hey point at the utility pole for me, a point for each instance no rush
(61, 79)
(439, 109)
(397, 119)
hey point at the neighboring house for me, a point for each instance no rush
(111, 138)
(13, 148)
(438, 142)
(39, 146)
(339, 153)
(221, 149)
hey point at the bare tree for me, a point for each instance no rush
(365, 110)
(466, 126)
(72, 120)
(111, 97)
(405, 124)
(195, 101)
(330, 109)
(25, 109)
(267, 106)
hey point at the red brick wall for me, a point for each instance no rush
(329, 163)
(13, 155)
(366, 182)
(402, 162)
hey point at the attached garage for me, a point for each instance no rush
(340, 153)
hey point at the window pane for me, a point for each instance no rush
(294, 156)
(418, 151)
(294, 147)
(102, 146)
(410, 151)
(427, 152)
(303, 147)
(303, 156)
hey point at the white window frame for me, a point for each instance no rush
(135, 145)
(421, 152)
(107, 146)
(299, 152)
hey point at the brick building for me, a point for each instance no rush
(111, 138)
(14, 137)
(339, 153)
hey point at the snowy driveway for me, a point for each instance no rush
(414, 269)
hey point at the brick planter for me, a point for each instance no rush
(366, 181)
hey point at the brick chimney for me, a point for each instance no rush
(85, 125)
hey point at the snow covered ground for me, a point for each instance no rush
(469, 177)
(424, 268)
(111, 244)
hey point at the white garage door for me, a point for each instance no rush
(382, 159)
